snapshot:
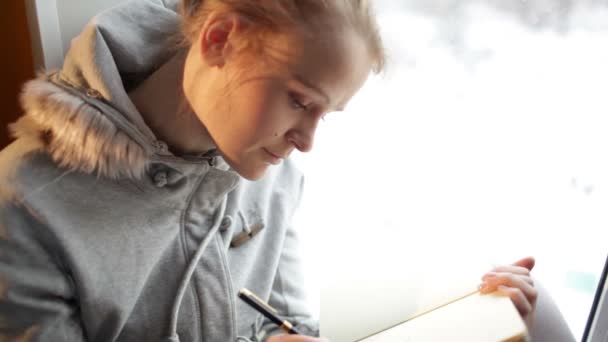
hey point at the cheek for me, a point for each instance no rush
(261, 112)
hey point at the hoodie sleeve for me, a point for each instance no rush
(288, 293)
(37, 301)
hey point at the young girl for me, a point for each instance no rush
(149, 183)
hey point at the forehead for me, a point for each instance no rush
(337, 61)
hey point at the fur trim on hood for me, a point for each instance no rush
(76, 134)
(82, 115)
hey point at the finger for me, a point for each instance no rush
(512, 269)
(518, 298)
(527, 262)
(490, 275)
(525, 284)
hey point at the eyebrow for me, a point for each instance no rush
(309, 85)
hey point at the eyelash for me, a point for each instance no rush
(299, 105)
(296, 103)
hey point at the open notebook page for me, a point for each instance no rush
(364, 293)
(475, 318)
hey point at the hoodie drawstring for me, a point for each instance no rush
(190, 270)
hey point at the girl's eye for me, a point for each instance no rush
(296, 103)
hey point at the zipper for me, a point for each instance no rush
(228, 277)
(187, 256)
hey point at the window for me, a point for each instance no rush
(489, 132)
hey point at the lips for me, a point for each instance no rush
(273, 158)
(275, 155)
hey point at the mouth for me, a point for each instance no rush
(273, 158)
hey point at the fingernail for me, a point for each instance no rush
(482, 287)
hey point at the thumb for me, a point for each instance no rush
(527, 262)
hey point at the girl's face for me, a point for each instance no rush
(258, 110)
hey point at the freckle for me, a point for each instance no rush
(276, 134)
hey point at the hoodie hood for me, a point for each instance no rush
(82, 114)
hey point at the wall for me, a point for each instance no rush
(16, 60)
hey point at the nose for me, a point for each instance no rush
(302, 142)
(302, 137)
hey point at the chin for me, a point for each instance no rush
(250, 173)
(248, 169)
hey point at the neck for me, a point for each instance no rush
(162, 103)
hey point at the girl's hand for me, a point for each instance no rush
(515, 282)
(295, 338)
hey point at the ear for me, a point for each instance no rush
(217, 38)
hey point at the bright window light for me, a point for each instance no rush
(488, 132)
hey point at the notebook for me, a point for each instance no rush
(390, 295)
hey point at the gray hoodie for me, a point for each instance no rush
(107, 236)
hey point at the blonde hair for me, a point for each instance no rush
(275, 16)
